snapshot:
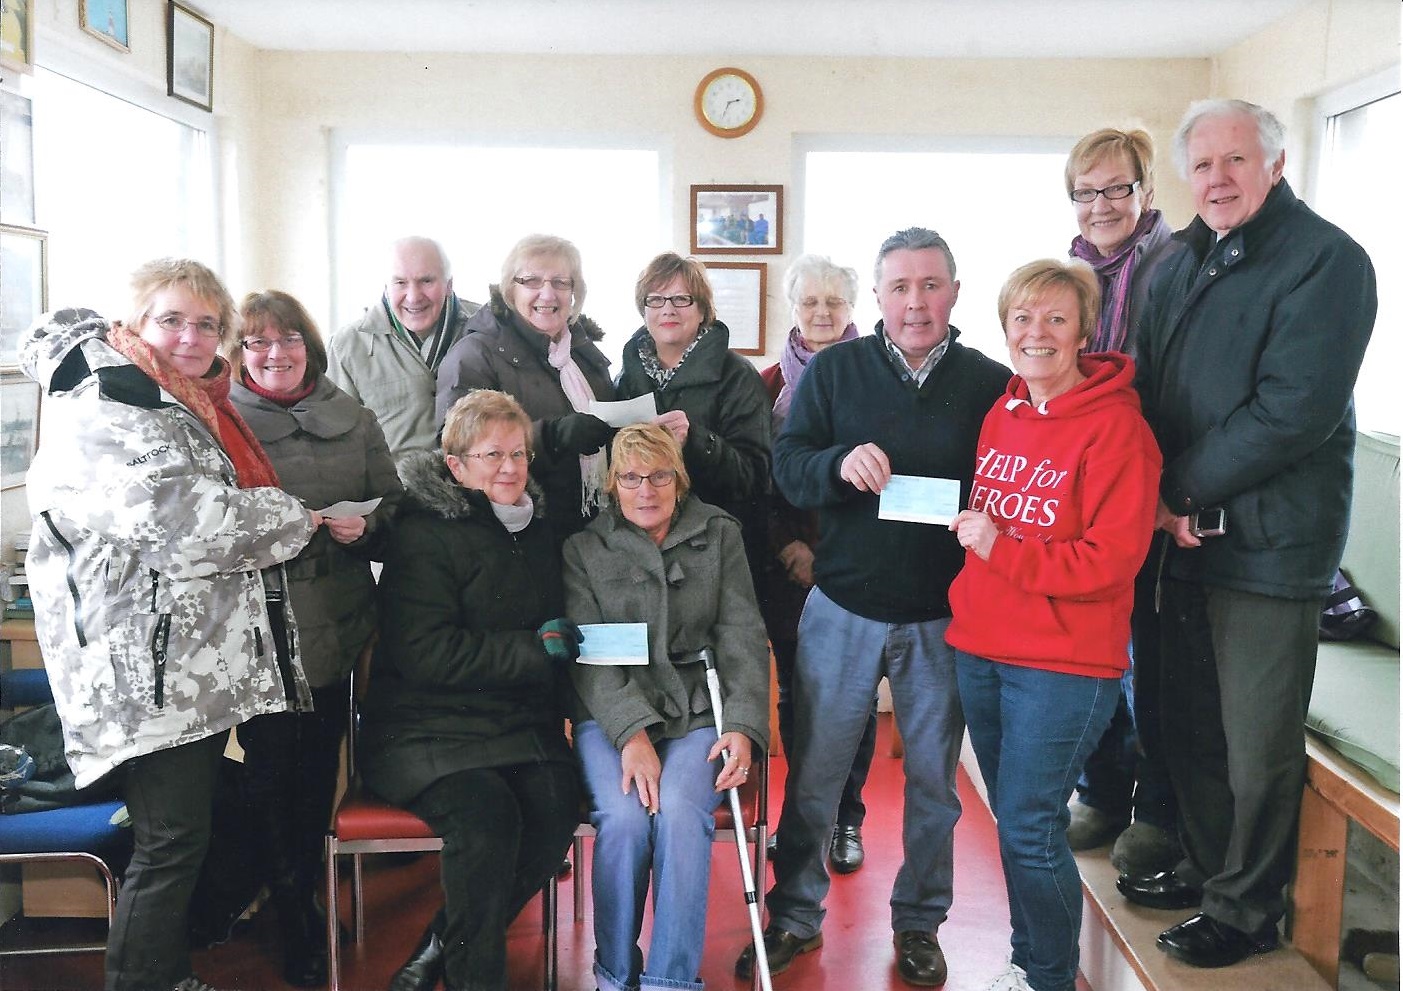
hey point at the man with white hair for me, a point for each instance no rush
(1252, 338)
(389, 358)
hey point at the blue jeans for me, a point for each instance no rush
(841, 658)
(1053, 721)
(674, 845)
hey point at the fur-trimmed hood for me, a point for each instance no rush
(431, 488)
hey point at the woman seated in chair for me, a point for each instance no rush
(646, 737)
(462, 726)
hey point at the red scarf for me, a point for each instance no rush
(208, 399)
(287, 400)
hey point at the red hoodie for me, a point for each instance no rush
(1073, 486)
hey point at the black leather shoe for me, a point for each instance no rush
(1162, 890)
(845, 854)
(1203, 941)
(781, 948)
(919, 959)
(424, 968)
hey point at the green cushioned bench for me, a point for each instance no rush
(1352, 743)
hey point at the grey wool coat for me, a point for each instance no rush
(145, 560)
(328, 448)
(693, 591)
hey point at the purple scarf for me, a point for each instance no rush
(792, 361)
(1117, 275)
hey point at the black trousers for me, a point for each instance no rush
(169, 795)
(505, 831)
(1236, 677)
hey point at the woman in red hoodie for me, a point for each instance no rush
(1059, 520)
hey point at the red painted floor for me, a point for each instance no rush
(857, 952)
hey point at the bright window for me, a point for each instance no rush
(1361, 144)
(479, 201)
(997, 208)
(115, 185)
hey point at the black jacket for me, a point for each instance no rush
(496, 353)
(853, 393)
(1247, 358)
(728, 441)
(459, 679)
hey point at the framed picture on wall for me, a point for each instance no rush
(106, 20)
(739, 291)
(17, 163)
(17, 35)
(189, 57)
(24, 285)
(19, 427)
(737, 220)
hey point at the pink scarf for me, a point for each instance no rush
(792, 361)
(577, 390)
(1117, 276)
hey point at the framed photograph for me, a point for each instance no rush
(106, 20)
(739, 290)
(737, 220)
(16, 159)
(19, 427)
(189, 56)
(24, 285)
(17, 35)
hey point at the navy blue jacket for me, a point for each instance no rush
(1246, 360)
(855, 393)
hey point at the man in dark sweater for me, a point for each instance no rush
(908, 400)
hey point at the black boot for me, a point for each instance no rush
(421, 972)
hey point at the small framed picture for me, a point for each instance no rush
(106, 20)
(17, 162)
(19, 427)
(737, 220)
(739, 291)
(189, 56)
(24, 285)
(17, 35)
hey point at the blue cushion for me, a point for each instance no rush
(25, 686)
(85, 828)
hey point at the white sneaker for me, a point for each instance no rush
(1015, 978)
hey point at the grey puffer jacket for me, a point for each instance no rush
(328, 448)
(694, 591)
(145, 558)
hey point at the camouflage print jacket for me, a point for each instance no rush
(144, 561)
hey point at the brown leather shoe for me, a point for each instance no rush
(919, 959)
(781, 948)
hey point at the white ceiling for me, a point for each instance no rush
(920, 28)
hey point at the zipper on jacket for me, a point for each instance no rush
(160, 640)
(257, 642)
(72, 579)
(155, 580)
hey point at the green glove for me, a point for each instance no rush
(562, 639)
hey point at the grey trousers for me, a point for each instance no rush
(1237, 671)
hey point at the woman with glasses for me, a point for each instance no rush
(532, 342)
(327, 448)
(646, 737)
(463, 723)
(1111, 181)
(711, 400)
(820, 296)
(155, 508)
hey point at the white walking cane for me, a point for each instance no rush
(757, 932)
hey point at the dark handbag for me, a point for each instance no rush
(1345, 616)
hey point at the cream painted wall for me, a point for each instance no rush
(586, 99)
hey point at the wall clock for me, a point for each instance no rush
(728, 102)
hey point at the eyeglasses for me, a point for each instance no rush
(289, 342)
(495, 458)
(1118, 191)
(659, 479)
(681, 301)
(175, 323)
(534, 282)
(832, 302)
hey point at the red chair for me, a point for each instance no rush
(363, 824)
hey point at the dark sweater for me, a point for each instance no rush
(855, 393)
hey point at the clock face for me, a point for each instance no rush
(729, 103)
